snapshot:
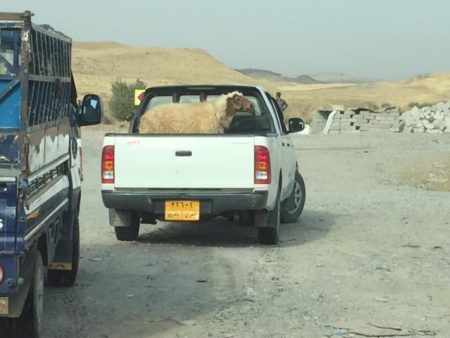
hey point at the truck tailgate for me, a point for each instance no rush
(184, 162)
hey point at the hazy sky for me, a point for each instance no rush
(390, 39)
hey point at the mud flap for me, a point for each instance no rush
(63, 253)
(63, 256)
(120, 218)
(261, 218)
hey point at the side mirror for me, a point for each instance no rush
(91, 110)
(296, 124)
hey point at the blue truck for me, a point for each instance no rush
(40, 169)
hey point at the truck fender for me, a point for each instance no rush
(120, 218)
(62, 259)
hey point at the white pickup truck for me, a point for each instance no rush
(250, 171)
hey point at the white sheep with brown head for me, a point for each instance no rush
(209, 117)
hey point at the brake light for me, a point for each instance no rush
(108, 164)
(2, 274)
(262, 165)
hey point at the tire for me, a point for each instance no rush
(29, 324)
(270, 233)
(128, 233)
(6, 327)
(67, 278)
(292, 207)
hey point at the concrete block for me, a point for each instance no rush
(335, 124)
(378, 130)
(346, 117)
(363, 125)
(418, 130)
(381, 123)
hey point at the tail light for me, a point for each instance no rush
(2, 274)
(262, 165)
(108, 164)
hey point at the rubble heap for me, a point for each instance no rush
(433, 119)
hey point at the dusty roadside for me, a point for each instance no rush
(370, 250)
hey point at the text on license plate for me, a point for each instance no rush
(182, 210)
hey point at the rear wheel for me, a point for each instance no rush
(292, 207)
(66, 278)
(270, 233)
(128, 233)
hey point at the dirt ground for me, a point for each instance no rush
(370, 255)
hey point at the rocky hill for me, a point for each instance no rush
(97, 64)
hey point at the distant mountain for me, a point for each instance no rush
(340, 78)
(273, 76)
(97, 64)
(260, 73)
(306, 79)
(316, 78)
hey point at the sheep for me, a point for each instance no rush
(194, 118)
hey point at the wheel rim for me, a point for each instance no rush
(296, 198)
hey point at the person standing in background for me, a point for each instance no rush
(281, 102)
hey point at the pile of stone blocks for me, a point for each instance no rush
(433, 119)
(363, 120)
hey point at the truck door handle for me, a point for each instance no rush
(183, 153)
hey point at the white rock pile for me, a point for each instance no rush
(433, 119)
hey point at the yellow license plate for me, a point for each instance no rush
(182, 210)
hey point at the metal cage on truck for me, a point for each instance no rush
(40, 171)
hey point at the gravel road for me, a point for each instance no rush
(369, 255)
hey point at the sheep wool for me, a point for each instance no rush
(194, 118)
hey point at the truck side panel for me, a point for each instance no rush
(8, 204)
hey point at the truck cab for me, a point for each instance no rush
(40, 168)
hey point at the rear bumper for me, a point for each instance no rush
(212, 203)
